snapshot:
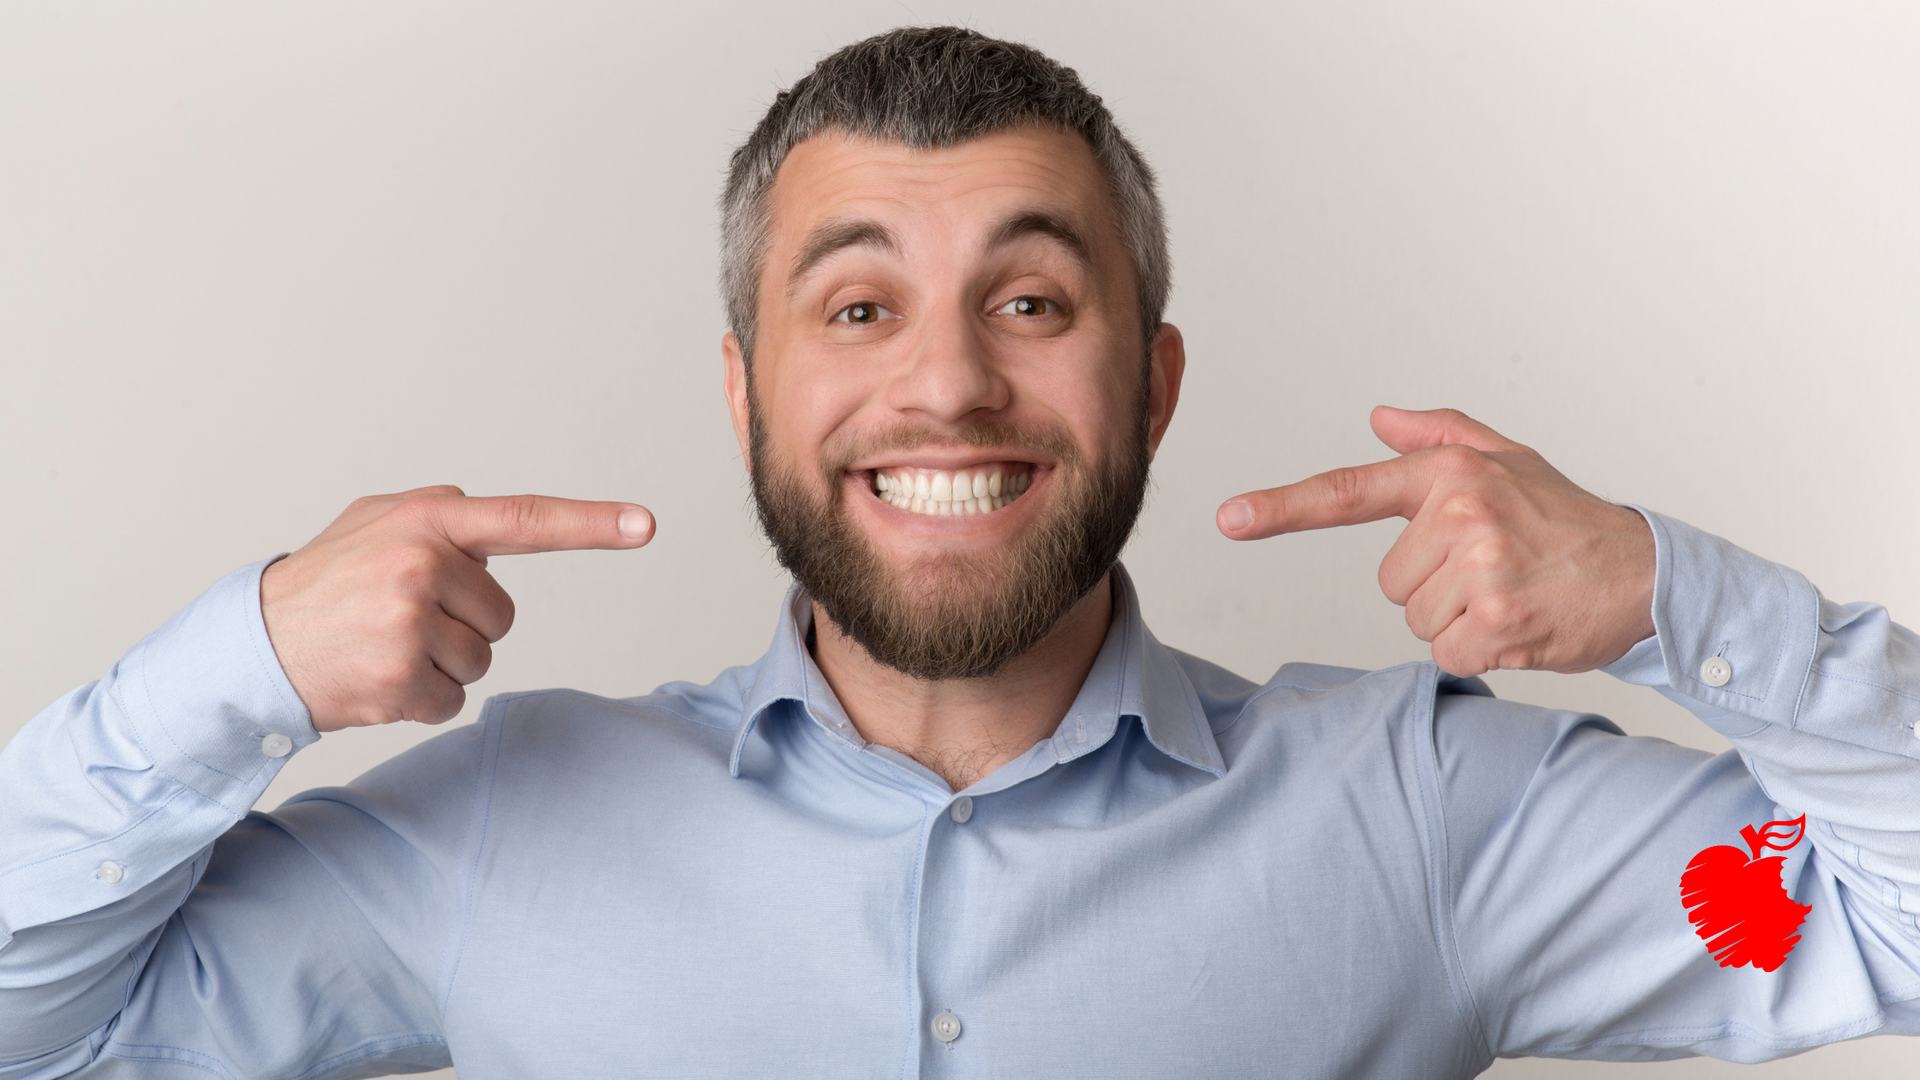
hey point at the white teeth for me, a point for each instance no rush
(939, 493)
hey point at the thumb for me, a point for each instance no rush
(1407, 430)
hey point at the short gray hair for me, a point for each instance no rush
(931, 87)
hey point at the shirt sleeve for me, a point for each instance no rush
(1567, 840)
(150, 926)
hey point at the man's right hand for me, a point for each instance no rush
(390, 612)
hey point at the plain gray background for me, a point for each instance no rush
(259, 259)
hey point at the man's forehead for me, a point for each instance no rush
(836, 175)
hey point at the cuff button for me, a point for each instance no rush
(1716, 671)
(276, 745)
(110, 872)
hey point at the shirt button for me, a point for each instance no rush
(1916, 729)
(961, 810)
(110, 872)
(1716, 671)
(276, 745)
(946, 1027)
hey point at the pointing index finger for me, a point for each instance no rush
(523, 524)
(1349, 496)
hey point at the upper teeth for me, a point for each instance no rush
(943, 493)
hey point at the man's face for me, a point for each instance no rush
(951, 405)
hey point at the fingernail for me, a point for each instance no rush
(635, 523)
(1236, 515)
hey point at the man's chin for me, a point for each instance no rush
(941, 615)
(949, 561)
(947, 586)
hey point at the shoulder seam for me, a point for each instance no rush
(478, 823)
(1439, 857)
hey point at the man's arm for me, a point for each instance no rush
(1568, 843)
(1584, 922)
(127, 933)
(109, 802)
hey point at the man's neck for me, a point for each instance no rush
(964, 729)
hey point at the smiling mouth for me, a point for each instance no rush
(955, 492)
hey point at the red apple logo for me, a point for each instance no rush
(1737, 903)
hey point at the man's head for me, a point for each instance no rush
(932, 88)
(945, 266)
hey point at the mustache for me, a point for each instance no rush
(1045, 440)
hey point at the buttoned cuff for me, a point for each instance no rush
(206, 697)
(137, 774)
(1734, 634)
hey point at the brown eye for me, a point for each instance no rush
(1029, 306)
(861, 314)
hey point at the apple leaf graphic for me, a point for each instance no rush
(1737, 903)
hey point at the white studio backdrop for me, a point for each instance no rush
(259, 259)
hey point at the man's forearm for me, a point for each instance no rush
(1821, 700)
(109, 800)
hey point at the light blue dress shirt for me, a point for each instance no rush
(1333, 873)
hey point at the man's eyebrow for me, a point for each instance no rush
(829, 237)
(1043, 223)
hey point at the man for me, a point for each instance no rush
(966, 815)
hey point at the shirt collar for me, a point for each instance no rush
(1133, 675)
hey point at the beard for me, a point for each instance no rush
(960, 615)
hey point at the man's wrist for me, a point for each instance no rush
(207, 699)
(1732, 631)
(1639, 576)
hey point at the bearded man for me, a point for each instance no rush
(967, 817)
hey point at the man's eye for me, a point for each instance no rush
(1027, 305)
(862, 314)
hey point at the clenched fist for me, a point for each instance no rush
(1504, 563)
(390, 612)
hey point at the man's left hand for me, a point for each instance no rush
(1504, 562)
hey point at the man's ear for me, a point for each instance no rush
(1167, 363)
(735, 386)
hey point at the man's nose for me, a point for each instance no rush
(950, 371)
